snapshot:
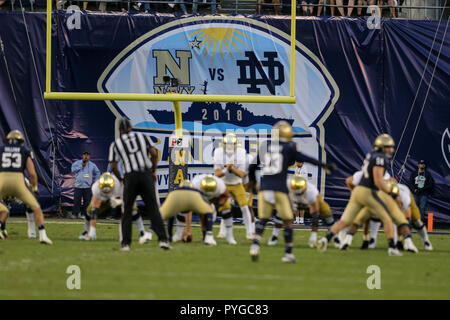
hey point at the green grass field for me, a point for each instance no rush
(30, 270)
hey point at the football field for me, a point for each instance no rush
(30, 270)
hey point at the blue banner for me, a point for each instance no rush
(352, 83)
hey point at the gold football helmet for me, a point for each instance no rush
(382, 141)
(208, 184)
(106, 182)
(230, 138)
(15, 136)
(285, 132)
(185, 184)
(298, 184)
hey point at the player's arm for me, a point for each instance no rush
(115, 170)
(378, 173)
(349, 183)
(219, 172)
(221, 199)
(154, 159)
(32, 173)
(301, 157)
(236, 171)
(95, 202)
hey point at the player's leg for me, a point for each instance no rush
(417, 224)
(200, 206)
(374, 226)
(144, 237)
(3, 217)
(327, 216)
(227, 219)
(30, 222)
(278, 224)
(351, 210)
(180, 224)
(283, 206)
(87, 223)
(266, 201)
(21, 192)
(222, 230)
(399, 219)
(362, 216)
(314, 212)
(240, 196)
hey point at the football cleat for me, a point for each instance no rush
(209, 240)
(83, 235)
(312, 242)
(165, 245)
(336, 242)
(273, 241)
(322, 244)
(231, 240)
(91, 237)
(3, 234)
(365, 245)
(372, 243)
(344, 246)
(31, 234)
(145, 238)
(125, 248)
(394, 252)
(288, 258)
(254, 252)
(221, 235)
(249, 236)
(176, 237)
(428, 246)
(301, 221)
(45, 240)
(409, 246)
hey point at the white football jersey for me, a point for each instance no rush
(357, 176)
(307, 198)
(404, 194)
(116, 192)
(221, 188)
(238, 159)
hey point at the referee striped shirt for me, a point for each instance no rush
(133, 149)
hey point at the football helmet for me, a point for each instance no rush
(186, 184)
(284, 129)
(230, 142)
(15, 137)
(106, 182)
(383, 141)
(298, 184)
(208, 184)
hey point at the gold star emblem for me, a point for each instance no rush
(195, 43)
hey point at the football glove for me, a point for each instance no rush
(330, 167)
(36, 191)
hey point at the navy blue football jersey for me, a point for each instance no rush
(372, 159)
(276, 159)
(13, 158)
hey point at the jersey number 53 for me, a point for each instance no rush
(11, 159)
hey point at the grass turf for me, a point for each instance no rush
(194, 271)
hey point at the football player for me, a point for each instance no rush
(374, 194)
(405, 201)
(230, 162)
(107, 194)
(276, 155)
(15, 159)
(197, 196)
(299, 213)
(8, 201)
(304, 195)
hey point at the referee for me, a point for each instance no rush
(133, 149)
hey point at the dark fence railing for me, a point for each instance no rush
(409, 9)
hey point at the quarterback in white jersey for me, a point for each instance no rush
(106, 194)
(230, 164)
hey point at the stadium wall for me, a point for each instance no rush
(371, 77)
